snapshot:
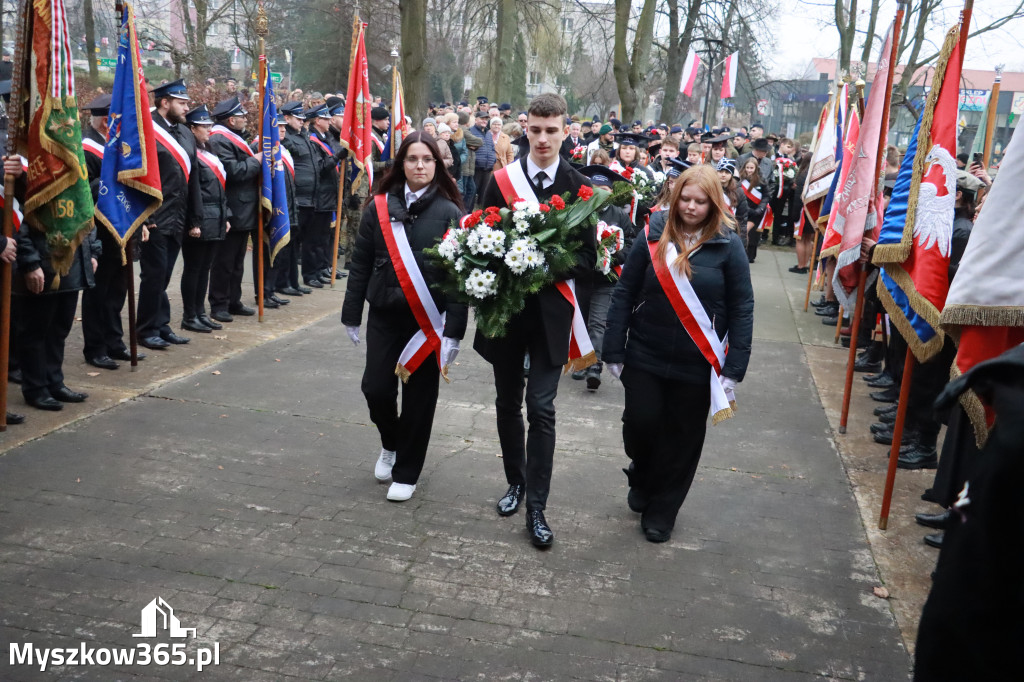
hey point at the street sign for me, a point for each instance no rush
(112, 63)
(276, 77)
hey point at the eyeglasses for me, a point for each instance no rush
(417, 160)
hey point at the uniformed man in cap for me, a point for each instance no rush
(505, 111)
(336, 108)
(316, 261)
(181, 210)
(101, 306)
(380, 125)
(307, 176)
(242, 170)
(482, 104)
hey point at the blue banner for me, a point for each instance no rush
(826, 203)
(274, 191)
(129, 183)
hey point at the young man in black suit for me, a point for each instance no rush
(541, 329)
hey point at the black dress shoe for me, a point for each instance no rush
(537, 527)
(829, 310)
(889, 395)
(66, 395)
(509, 502)
(304, 290)
(205, 320)
(171, 337)
(315, 283)
(243, 310)
(653, 535)
(884, 382)
(278, 300)
(938, 521)
(920, 457)
(867, 366)
(14, 376)
(14, 418)
(885, 437)
(154, 343)
(875, 377)
(821, 302)
(289, 291)
(830, 321)
(326, 279)
(341, 274)
(222, 316)
(934, 540)
(270, 303)
(886, 409)
(126, 355)
(637, 500)
(887, 418)
(103, 362)
(45, 403)
(194, 325)
(879, 427)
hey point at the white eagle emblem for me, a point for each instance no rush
(936, 199)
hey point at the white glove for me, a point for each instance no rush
(353, 334)
(449, 349)
(729, 386)
(615, 369)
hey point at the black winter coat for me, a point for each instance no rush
(34, 253)
(306, 168)
(372, 275)
(242, 170)
(182, 206)
(643, 329)
(215, 206)
(326, 200)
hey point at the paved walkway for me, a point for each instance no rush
(243, 495)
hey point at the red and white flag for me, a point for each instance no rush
(833, 240)
(355, 125)
(689, 74)
(729, 70)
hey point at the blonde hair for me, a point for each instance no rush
(600, 157)
(718, 221)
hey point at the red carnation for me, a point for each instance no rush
(492, 219)
(557, 203)
(585, 193)
(544, 208)
(491, 210)
(627, 173)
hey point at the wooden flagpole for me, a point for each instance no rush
(991, 115)
(812, 266)
(262, 28)
(357, 27)
(128, 271)
(14, 122)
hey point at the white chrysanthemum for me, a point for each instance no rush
(519, 205)
(483, 240)
(659, 177)
(481, 284)
(515, 262)
(533, 258)
(521, 246)
(449, 248)
(460, 264)
(521, 225)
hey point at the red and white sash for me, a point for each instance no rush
(233, 137)
(695, 321)
(167, 141)
(286, 159)
(323, 145)
(798, 228)
(213, 163)
(92, 146)
(427, 340)
(728, 203)
(17, 209)
(768, 219)
(379, 143)
(753, 193)
(513, 184)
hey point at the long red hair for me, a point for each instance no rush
(718, 221)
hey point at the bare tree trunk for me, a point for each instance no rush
(508, 28)
(846, 25)
(630, 71)
(90, 41)
(414, 54)
(865, 55)
(679, 46)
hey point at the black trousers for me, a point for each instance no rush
(928, 381)
(156, 262)
(198, 256)
(482, 178)
(42, 323)
(325, 249)
(753, 241)
(288, 273)
(527, 456)
(226, 273)
(959, 453)
(102, 305)
(315, 224)
(271, 273)
(408, 433)
(663, 428)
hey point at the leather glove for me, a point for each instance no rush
(449, 349)
(615, 369)
(354, 203)
(353, 334)
(729, 386)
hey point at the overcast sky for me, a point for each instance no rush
(809, 31)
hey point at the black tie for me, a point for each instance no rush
(540, 178)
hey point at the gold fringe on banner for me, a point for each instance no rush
(971, 403)
(722, 415)
(966, 315)
(921, 305)
(577, 364)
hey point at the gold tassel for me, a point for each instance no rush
(722, 415)
(982, 316)
(402, 373)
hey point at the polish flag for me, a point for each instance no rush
(689, 74)
(732, 63)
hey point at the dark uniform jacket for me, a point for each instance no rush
(643, 329)
(555, 311)
(215, 206)
(568, 145)
(243, 182)
(306, 169)
(182, 206)
(379, 165)
(93, 163)
(326, 200)
(372, 275)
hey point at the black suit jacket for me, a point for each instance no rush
(567, 146)
(182, 207)
(243, 172)
(556, 312)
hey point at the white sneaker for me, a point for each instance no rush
(382, 470)
(400, 492)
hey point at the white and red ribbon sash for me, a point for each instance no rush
(380, 143)
(753, 193)
(697, 324)
(18, 216)
(289, 163)
(92, 146)
(427, 340)
(768, 219)
(513, 184)
(167, 141)
(798, 227)
(323, 145)
(213, 163)
(233, 137)
(728, 203)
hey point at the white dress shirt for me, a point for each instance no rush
(411, 197)
(532, 169)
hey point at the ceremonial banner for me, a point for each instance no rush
(985, 305)
(58, 201)
(812, 207)
(978, 146)
(274, 192)
(916, 237)
(129, 190)
(355, 127)
(729, 70)
(842, 119)
(823, 163)
(859, 205)
(689, 77)
(398, 125)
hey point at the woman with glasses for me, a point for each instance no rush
(409, 211)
